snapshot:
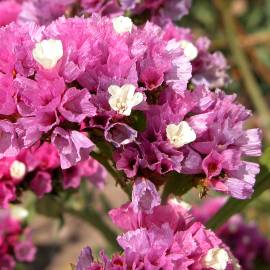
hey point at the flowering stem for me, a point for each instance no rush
(251, 85)
(234, 206)
(92, 217)
(115, 174)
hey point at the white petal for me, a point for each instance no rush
(188, 135)
(122, 24)
(127, 112)
(17, 170)
(190, 51)
(137, 99)
(48, 52)
(216, 258)
(128, 91)
(114, 90)
(180, 134)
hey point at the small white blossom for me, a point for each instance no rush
(17, 170)
(48, 52)
(180, 134)
(122, 24)
(190, 51)
(124, 98)
(216, 258)
(18, 212)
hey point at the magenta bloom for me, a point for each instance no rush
(165, 238)
(9, 11)
(72, 146)
(15, 241)
(247, 243)
(219, 148)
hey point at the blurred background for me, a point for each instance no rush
(242, 33)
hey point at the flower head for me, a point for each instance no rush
(48, 52)
(124, 98)
(180, 134)
(17, 170)
(216, 258)
(122, 24)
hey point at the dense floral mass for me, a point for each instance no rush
(118, 83)
(45, 11)
(245, 240)
(15, 239)
(160, 237)
(79, 75)
(38, 169)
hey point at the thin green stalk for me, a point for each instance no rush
(92, 217)
(115, 174)
(251, 85)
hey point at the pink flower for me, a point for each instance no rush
(41, 184)
(8, 140)
(9, 11)
(76, 105)
(73, 146)
(165, 238)
(25, 251)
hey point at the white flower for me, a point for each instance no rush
(216, 258)
(18, 212)
(122, 24)
(17, 170)
(180, 134)
(48, 52)
(190, 51)
(124, 98)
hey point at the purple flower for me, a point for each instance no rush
(127, 160)
(41, 184)
(85, 259)
(73, 146)
(25, 251)
(7, 194)
(120, 134)
(144, 196)
(165, 238)
(8, 139)
(245, 240)
(7, 102)
(76, 105)
(9, 11)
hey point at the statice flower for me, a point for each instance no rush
(38, 169)
(208, 68)
(45, 11)
(201, 133)
(9, 11)
(245, 240)
(16, 244)
(100, 78)
(54, 89)
(164, 238)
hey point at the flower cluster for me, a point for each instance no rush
(245, 240)
(159, 237)
(90, 75)
(45, 11)
(15, 239)
(38, 169)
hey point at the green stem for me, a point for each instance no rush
(115, 174)
(234, 206)
(92, 217)
(251, 85)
